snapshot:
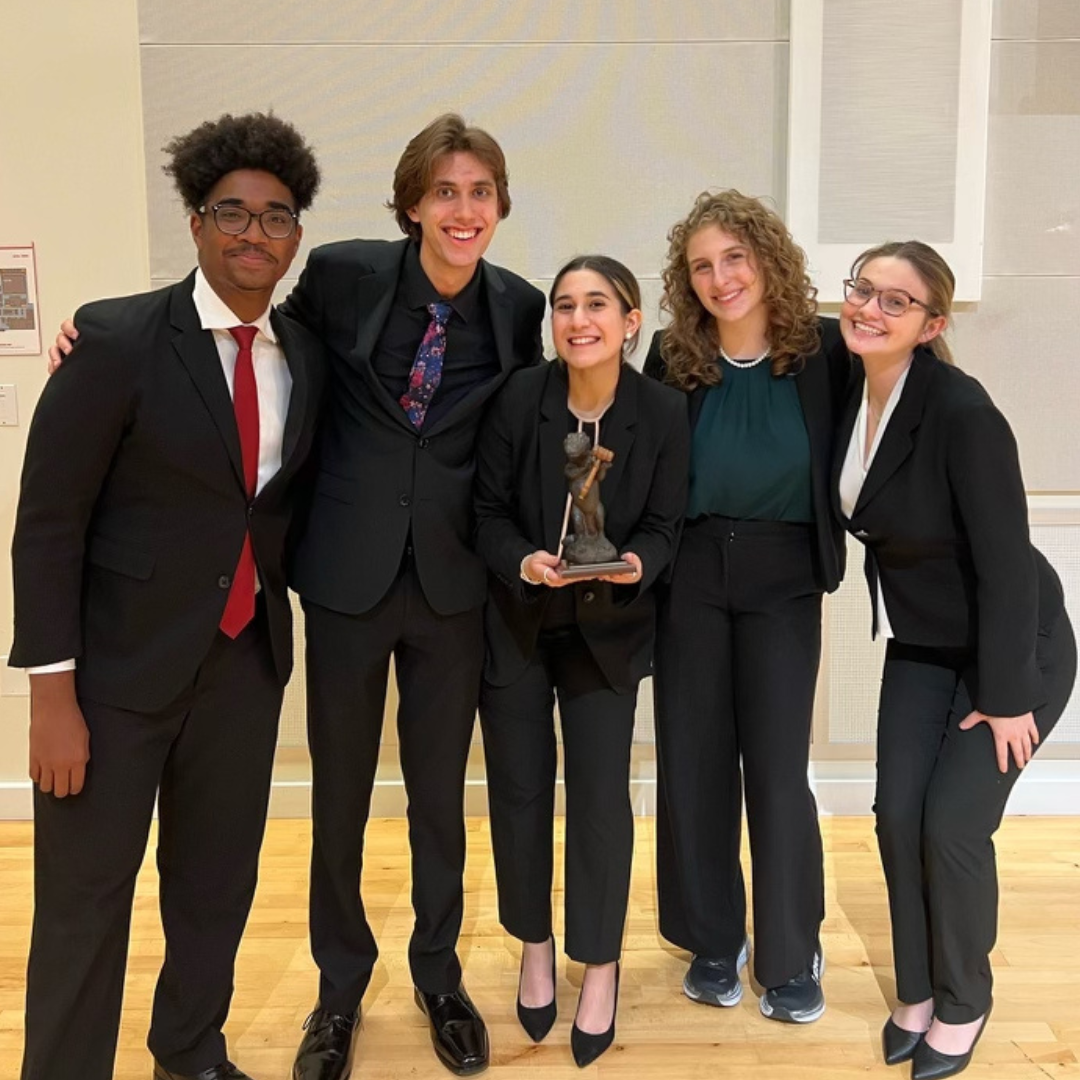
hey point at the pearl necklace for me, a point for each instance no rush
(744, 363)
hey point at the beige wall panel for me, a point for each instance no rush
(415, 21)
(1033, 173)
(605, 147)
(1038, 20)
(1022, 344)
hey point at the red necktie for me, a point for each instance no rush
(240, 607)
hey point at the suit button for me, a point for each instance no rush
(423, 443)
(251, 511)
(589, 597)
(224, 581)
(404, 500)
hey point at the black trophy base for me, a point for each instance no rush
(590, 570)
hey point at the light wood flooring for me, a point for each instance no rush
(1035, 1030)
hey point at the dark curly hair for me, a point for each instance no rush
(690, 341)
(199, 159)
(446, 134)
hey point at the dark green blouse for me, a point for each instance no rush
(750, 457)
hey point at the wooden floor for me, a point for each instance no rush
(1035, 1030)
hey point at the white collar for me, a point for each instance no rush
(215, 314)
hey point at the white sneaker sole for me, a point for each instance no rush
(799, 1016)
(724, 1001)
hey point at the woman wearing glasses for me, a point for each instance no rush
(739, 631)
(980, 658)
(588, 643)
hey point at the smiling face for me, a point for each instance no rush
(725, 277)
(244, 269)
(873, 335)
(589, 323)
(457, 215)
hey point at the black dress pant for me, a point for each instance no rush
(520, 751)
(438, 660)
(207, 758)
(737, 653)
(940, 799)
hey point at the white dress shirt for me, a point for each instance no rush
(857, 465)
(273, 383)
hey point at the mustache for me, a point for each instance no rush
(254, 249)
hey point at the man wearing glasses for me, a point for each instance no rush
(420, 333)
(151, 610)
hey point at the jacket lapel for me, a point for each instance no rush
(897, 442)
(617, 434)
(502, 315)
(843, 434)
(296, 359)
(197, 352)
(553, 430)
(374, 297)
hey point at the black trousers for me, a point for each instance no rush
(738, 647)
(520, 750)
(207, 758)
(438, 661)
(940, 799)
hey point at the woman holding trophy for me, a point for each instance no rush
(570, 617)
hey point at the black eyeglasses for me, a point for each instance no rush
(277, 223)
(893, 302)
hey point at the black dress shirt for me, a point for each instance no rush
(471, 357)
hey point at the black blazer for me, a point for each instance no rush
(521, 499)
(133, 508)
(822, 385)
(943, 515)
(378, 477)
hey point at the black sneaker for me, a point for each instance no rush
(716, 982)
(799, 1001)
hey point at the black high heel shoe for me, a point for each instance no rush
(897, 1043)
(930, 1064)
(538, 1021)
(587, 1048)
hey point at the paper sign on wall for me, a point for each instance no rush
(20, 327)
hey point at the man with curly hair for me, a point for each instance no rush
(150, 607)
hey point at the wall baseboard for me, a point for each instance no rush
(842, 788)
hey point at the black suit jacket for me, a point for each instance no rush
(133, 508)
(943, 515)
(520, 502)
(378, 477)
(822, 385)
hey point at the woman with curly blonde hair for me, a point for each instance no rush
(739, 630)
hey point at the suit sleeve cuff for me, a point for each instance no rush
(51, 669)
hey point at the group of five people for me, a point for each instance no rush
(156, 532)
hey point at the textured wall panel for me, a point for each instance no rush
(889, 100)
(1036, 20)
(1023, 344)
(605, 148)
(412, 21)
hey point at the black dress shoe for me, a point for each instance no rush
(538, 1020)
(457, 1030)
(897, 1043)
(930, 1064)
(327, 1048)
(225, 1071)
(587, 1048)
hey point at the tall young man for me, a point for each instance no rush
(151, 608)
(420, 333)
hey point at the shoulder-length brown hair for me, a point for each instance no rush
(690, 340)
(446, 134)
